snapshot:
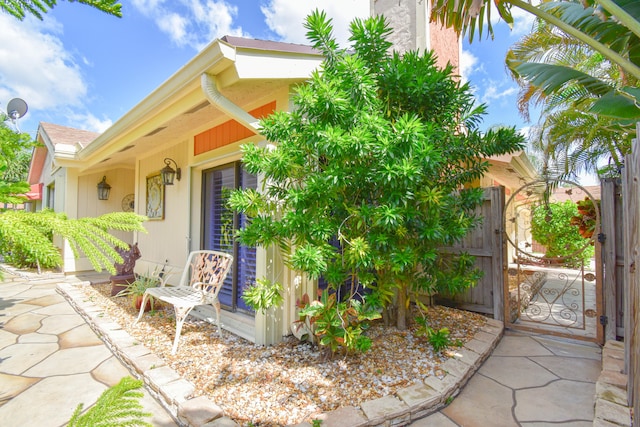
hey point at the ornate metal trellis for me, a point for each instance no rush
(553, 284)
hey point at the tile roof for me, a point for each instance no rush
(65, 135)
(269, 45)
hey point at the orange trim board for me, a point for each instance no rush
(228, 132)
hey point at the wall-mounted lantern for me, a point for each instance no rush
(103, 189)
(168, 173)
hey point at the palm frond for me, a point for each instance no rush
(117, 406)
(30, 232)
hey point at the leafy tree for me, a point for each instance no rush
(13, 148)
(20, 8)
(552, 225)
(367, 178)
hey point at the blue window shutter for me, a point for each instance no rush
(219, 228)
(246, 255)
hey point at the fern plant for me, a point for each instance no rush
(29, 233)
(117, 406)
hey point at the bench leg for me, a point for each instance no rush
(216, 307)
(145, 297)
(181, 315)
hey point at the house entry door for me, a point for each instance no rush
(219, 228)
(554, 278)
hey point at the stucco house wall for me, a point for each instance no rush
(413, 31)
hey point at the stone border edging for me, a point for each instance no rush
(611, 407)
(175, 393)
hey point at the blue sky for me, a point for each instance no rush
(85, 69)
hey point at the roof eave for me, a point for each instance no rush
(213, 59)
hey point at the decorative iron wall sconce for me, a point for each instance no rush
(103, 189)
(168, 173)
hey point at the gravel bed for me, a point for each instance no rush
(290, 382)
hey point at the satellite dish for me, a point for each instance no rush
(16, 108)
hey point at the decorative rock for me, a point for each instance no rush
(144, 363)
(458, 369)
(177, 391)
(466, 356)
(384, 408)
(617, 414)
(347, 416)
(445, 386)
(611, 393)
(616, 345)
(610, 363)
(612, 352)
(419, 396)
(614, 378)
(223, 422)
(133, 352)
(484, 336)
(401, 408)
(198, 411)
(478, 346)
(159, 377)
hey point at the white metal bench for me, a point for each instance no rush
(200, 284)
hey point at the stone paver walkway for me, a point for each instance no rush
(530, 381)
(51, 360)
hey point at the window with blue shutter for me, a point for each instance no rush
(220, 225)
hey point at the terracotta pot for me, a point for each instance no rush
(137, 302)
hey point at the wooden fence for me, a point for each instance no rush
(487, 244)
(631, 215)
(613, 248)
(620, 206)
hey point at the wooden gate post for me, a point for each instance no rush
(499, 259)
(608, 226)
(632, 262)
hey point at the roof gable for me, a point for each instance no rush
(58, 134)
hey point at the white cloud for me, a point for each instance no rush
(498, 91)
(88, 121)
(468, 63)
(286, 17)
(522, 22)
(175, 26)
(192, 23)
(35, 66)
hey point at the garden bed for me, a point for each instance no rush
(289, 382)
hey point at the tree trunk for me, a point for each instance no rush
(402, 309)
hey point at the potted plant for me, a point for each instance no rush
(137, 288)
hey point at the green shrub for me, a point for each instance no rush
(339, 324)
(438, 339)
(552, 225)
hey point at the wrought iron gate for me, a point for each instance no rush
(553, 283)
